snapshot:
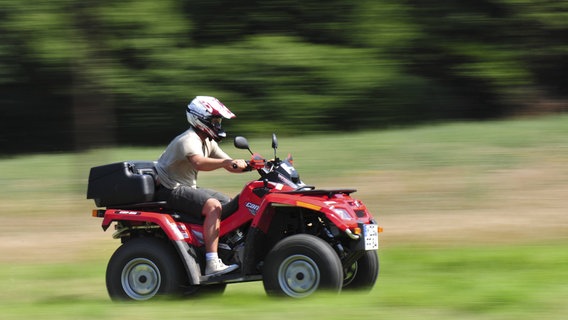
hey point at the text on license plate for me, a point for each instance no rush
(371, 234)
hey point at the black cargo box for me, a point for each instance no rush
(122, 183)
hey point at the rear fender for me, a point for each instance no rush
(175, 231)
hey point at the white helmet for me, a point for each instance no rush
(205, 114)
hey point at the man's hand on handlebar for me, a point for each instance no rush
(238, 165)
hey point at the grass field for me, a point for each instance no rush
(474, 216)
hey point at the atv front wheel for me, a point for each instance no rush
(363, 274)
(299, 265)
(143, 268)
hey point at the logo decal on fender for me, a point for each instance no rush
(135, 213)
(252, 208)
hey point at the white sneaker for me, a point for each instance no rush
(217, 267)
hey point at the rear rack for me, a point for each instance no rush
(141, 205)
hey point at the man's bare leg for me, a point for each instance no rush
(212, 212)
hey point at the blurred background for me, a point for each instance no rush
(81, 74)
(449, 117)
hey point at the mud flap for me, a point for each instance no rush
(191, 266)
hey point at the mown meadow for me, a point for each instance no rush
(474, 219)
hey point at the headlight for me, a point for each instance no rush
(342, 213)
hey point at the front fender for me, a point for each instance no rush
(265, 211)
(320, 204)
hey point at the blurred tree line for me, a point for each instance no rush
(81, 74)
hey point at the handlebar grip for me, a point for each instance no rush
(248, 167)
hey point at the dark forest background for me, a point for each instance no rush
(81, 74)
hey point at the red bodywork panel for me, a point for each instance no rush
(174, 230)
(322, 203)
(257, 210)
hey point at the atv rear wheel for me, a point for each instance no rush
(363, 274)
(143, 268)
(301, 264)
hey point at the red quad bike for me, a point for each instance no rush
(295, 238)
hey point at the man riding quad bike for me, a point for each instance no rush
(296, 238)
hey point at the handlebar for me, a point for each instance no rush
(255, 163)
(248, 167)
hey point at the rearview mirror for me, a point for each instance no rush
(274, 144)
(242, 143)
(274, 141)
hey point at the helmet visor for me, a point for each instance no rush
(216, 121)
(216, 126)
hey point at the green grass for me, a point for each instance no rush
(479, 282)
(53, 254)
(475, 146)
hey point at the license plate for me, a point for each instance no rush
(371, 234)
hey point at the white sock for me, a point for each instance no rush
(211, 256)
